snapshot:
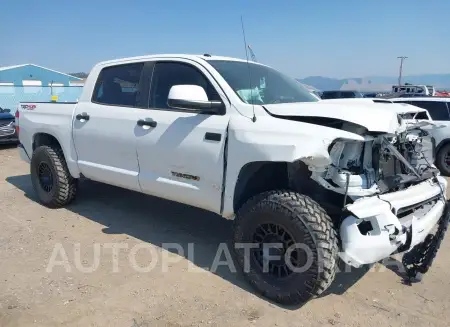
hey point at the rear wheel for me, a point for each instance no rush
(52, 182)
(443, 160)
(294, 247)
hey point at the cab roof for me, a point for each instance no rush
(194, 57)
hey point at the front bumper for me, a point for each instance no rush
(8, 135)
(380, 225)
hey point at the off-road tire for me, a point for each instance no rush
(64, 185)
(440, 160)
(309, 224)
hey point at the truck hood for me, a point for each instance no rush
(398, 107)
(6, 115)
(374, 117)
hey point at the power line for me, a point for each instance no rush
(402, 58)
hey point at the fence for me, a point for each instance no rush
(10, 96)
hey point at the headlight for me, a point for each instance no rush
(346, 153)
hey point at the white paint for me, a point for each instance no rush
(359, 249)
(372, 116)
(112, 148)
(187, 92)
(31, 83)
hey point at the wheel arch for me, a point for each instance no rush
(256, 177)
(262, 176)
(48, 139)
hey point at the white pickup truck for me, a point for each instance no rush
(306, 181)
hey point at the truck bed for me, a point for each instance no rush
(35, 117)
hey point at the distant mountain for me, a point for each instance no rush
(323, 83)
(79, 75)
(326, 83)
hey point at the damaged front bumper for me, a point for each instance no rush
(379, 226)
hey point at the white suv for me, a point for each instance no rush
(439, 110)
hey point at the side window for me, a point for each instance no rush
(347, 94)
(119, 85)
(437, 110)
(330, 95)
(168, 74)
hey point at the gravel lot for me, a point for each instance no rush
(182, 293)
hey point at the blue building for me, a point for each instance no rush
(33, 83)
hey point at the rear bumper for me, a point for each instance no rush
(378, 226)
(23, 154)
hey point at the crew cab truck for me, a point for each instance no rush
(306, 182)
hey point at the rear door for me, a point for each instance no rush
(181, 157)
(105, 126)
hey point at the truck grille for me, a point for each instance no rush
(6, 130)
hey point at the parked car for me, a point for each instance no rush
(306, 181)
(439, 109)
(7, 127)
(341, 95)
(370, 95)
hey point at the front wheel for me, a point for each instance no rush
(286, 245)
(52, 182)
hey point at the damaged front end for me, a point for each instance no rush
(393, 196)
(380, 164)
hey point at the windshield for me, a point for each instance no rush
(267, 85)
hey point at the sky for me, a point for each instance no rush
(346, 38)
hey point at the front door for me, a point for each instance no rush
(104, 128)
(181, 157)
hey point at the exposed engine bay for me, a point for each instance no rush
(383, 163)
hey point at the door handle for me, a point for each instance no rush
(213, 136)
(82, 116)
(142, 122)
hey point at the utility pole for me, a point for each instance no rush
(401, 69)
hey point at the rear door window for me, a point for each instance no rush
(119, 86)
(438, 110)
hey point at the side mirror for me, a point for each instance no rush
(191, 97)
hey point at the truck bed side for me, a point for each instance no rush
(53, 119)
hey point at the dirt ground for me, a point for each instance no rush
(182, 293)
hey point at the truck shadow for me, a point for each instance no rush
(158, 222)
(7, 146)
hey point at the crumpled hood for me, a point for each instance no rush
(371, 116)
